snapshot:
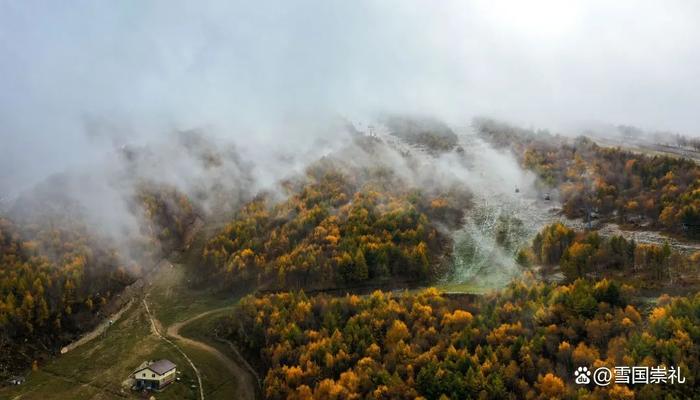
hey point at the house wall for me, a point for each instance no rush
(146, 374)
(167, 377)
(163, 380)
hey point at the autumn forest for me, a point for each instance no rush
(342, 269)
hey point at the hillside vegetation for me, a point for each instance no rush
(57, 274)
(53, 279)
(430, 134)
(587, 254)
(524, 342)
(337, 228)
(663, 192)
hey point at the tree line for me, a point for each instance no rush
(524, 342)
(588, 254)
(53, 279)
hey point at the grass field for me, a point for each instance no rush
(202, 330)
(172, 301)
(464, 288)
(97, 369)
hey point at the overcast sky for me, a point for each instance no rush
(142, 68)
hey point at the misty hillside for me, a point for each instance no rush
(431, 134)
(370, 213)
(324, 200)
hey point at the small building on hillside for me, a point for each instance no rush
(154, 375)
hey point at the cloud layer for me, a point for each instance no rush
(76, 80)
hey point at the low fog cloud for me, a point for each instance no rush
(81, 80)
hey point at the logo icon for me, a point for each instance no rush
(582, 376)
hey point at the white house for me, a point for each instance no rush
(155, 375)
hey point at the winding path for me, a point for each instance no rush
(245, 376)
(154, 328)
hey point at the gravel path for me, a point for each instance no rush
(243, 373)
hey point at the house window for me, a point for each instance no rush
(144, 374)
(153, 375)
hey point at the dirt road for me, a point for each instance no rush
(156, 329)
(99, 329)
(244, 374)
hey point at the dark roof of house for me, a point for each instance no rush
(161, 366)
